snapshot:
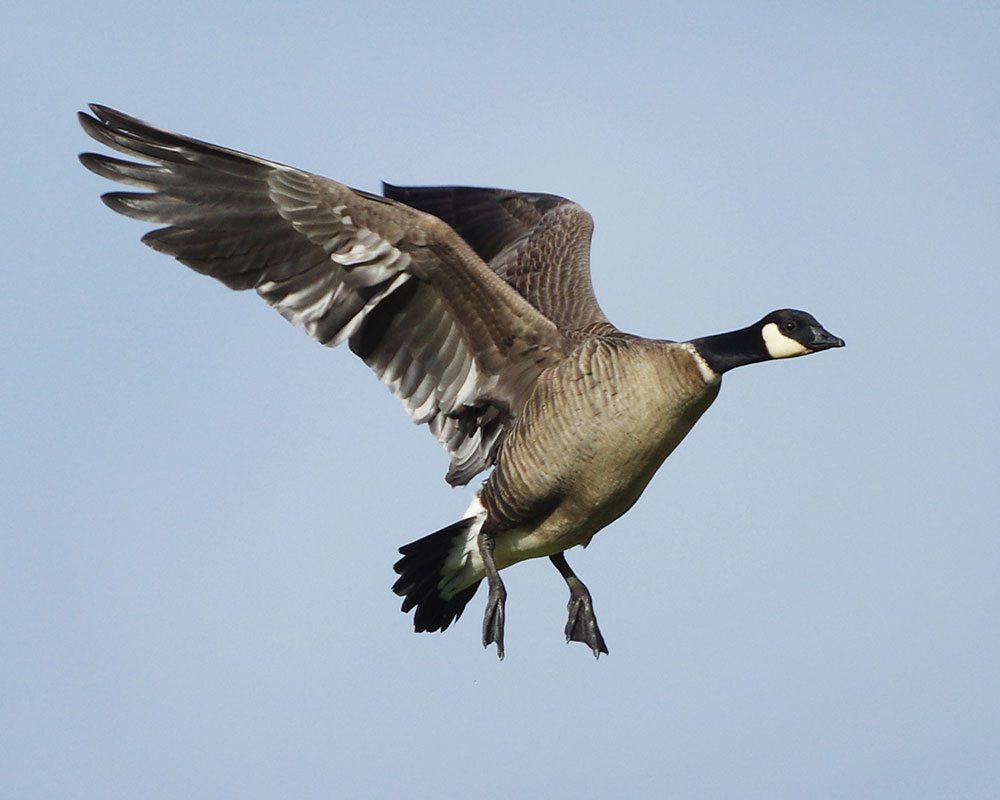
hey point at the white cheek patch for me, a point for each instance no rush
(780, 346)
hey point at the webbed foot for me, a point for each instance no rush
(582, 624)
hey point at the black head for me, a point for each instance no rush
(788, 333)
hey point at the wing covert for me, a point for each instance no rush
(538, 243)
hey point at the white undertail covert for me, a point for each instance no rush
(464, 559)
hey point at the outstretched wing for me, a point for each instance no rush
(452, 341)
(538, 243)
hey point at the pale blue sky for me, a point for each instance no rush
(202, 506)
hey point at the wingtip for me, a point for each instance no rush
(102, 112)
(112, 200)
(93, 126)
(92, 161)
(86, 120)
(128, 204)
(108, 117)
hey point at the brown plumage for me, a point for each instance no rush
(475, 307)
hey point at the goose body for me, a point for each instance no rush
(583, 449)
(589, 437)
(475, 307)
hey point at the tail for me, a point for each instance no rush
(429, 569)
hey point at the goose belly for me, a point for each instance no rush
(585, 447)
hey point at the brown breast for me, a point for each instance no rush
(593, 432)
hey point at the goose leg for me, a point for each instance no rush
(582, 624)
(494, 617)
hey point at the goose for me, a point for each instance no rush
(475, 307)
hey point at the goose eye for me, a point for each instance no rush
(791, 325)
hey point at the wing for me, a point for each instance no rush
(452, 341)
(538, 243)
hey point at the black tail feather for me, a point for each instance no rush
(420, 573)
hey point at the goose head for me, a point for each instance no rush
(786, 333)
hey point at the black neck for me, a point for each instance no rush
(726, 351)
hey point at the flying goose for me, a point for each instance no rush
(475, 307)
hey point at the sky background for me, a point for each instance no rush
(201, 507)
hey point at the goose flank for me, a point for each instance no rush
(476, 309)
